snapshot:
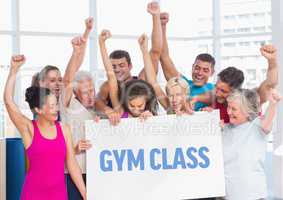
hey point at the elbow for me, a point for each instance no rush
(7, 100)
(66, 81)
(273, 84)
(266, 130)
(156, 53)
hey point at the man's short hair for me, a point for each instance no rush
(118, 54)
(232, 76)
(205, 57)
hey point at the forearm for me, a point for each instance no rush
(267, 121)
(149, 71)
(73, 66)
(100, 105)
(76, 175)
(167, 64)
(112, 80)
(204, 98)
(156, 35)
(86, 34)
(106, 62)
(165, 49)
(272, 73)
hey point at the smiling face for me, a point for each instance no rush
(236, 113)
(122, 69)
(85, 92)
(49, 110)
(137, 105)
(53, 81)
(222, 91)
(177, 97)
(201, 72)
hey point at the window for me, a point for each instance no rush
(246, 56)
(259, 29)
(46, 50)
(6, 51)
(183, 53)
(5, 15)
(131, 17)
(188, 19)
(248, 13)
(53, 15)
(243, 30)
(44, 34)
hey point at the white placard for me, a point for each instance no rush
(167, 157)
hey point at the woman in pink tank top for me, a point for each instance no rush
(48, 143)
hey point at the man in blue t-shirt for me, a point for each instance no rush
(202, 69)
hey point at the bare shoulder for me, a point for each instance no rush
(66, 129)
(104, 90)
(104, 86)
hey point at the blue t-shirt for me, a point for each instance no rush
(197, 90)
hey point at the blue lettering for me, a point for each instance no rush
(190, 155)
(105, 165)
(202, 155)
(132, 161)
(153, 165)
(164, 160)
(119, 158)
(179, 159)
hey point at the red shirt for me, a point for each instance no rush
(223, 111)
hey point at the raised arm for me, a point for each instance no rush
(112, 80)
(88, 27)
(72, 164)
(168, 67)
(156, 38)
(271, 81)
(266, 122)
(150, 74)
(21, 122)
(76, 60)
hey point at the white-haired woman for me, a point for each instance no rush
(244, 144)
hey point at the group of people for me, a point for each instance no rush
(55, 139)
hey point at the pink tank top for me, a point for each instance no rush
(45, 178)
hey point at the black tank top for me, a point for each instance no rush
(108, 100)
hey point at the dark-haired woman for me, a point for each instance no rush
(48, 143)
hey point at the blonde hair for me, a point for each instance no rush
(178, 81)
(249, 102)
